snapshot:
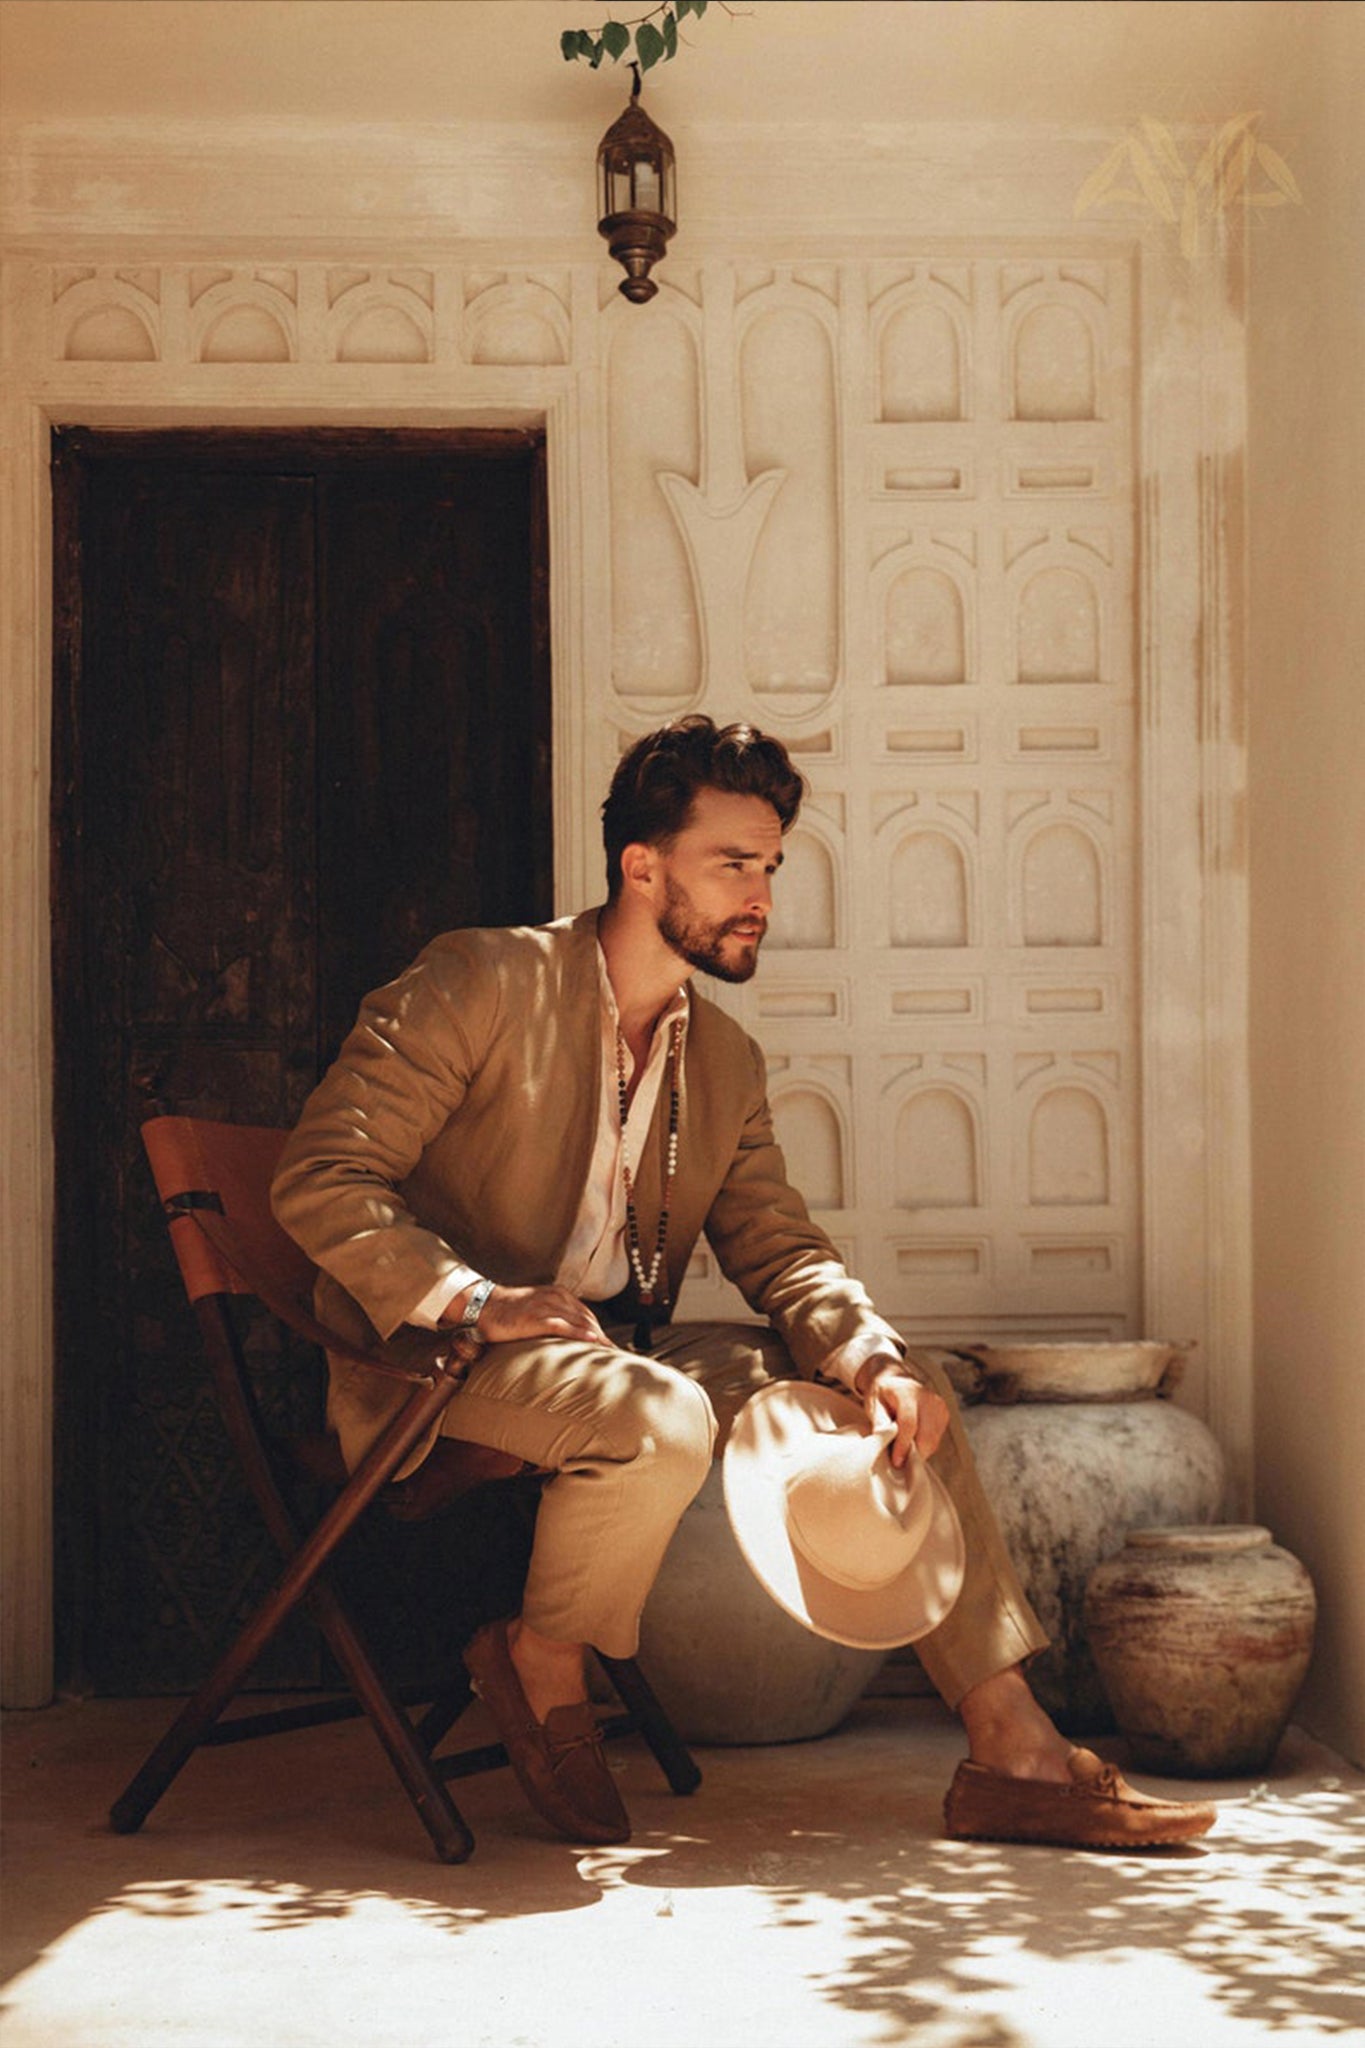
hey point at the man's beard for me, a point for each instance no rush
(699, 943)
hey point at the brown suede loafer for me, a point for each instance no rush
(1098, 1809)
(559, 1762)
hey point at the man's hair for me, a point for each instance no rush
(655, 785)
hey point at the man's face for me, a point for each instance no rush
(714, 884)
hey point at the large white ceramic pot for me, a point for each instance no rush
(728, 1664)
(1202, 1638)
(1076, 1445)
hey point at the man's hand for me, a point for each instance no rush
(511, 1312)
(920, 1415)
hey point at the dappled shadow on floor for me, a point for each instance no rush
(815, 1873)
(1260, 1922)
(301, 1828)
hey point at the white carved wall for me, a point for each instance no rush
(947, 517)
(886, 511)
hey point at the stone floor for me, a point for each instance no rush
(282, 1894)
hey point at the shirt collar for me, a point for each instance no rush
(678, 1009)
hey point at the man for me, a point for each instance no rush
(524, 1135)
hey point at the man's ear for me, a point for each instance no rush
(639, 865)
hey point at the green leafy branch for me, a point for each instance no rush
(655, 36)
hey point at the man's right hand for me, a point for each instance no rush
(523, 1312)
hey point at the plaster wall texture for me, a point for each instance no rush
(1307, 796)
(905, 461)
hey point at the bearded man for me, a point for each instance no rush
(524, 1136)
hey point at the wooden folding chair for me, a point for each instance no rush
(214, 1182)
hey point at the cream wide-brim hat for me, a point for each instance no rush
(849, 1546)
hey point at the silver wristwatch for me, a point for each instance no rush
(473, 1308)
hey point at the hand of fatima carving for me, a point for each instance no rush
(720, 530)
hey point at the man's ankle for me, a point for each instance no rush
(552, 1673)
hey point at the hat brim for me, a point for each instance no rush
(771, 1432)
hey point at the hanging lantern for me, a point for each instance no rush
(636, 194)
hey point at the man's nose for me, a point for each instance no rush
(761, 894)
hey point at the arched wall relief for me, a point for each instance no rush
(929, 890)
(937, 1162)
(920, 364)
(1061, 888)
(805, 913)
(926, 633)
(1052, 363)
(245, 334)
(1068, 1150)
(110, 334)
(370, 326)
(809, 1131)
(653, 393)
(102, 318)
(517, 323)
(1058, 628)
(789, 408)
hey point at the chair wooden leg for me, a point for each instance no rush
(637, 1696)
(299, 1580)
(441, 1818)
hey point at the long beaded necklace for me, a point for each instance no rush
(652, 1286)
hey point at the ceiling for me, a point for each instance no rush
(855, 61)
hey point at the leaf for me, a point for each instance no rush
(1235, 170)
(670, 32)
(1211, 163)
(649, 44)
(1096, 186)
(1231, 139)
(1189, 225)
(586, 44)
(682, 8)
(1163, 145)
(1150, 179)
(568, 44)
(699, 8)
(615, 38)
(1278, 171)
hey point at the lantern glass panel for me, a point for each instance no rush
(648, 196)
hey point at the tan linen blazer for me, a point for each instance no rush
(457, 1126)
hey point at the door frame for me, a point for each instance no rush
(540, 399)
(83, 1585)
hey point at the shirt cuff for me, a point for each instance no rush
(844, 1365)
(429, 1310)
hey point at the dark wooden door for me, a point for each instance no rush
(301, 724)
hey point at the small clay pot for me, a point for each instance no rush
(1202, 1638)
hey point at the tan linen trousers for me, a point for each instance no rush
(628, 1441)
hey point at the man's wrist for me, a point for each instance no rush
(879, 1365)
(464, 1309)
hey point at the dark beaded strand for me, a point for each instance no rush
(650, 1293)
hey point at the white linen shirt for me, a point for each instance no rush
(595, 1264)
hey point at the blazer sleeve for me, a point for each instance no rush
(785, 1266)
(399, 1078)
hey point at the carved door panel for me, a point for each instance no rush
(301, 725)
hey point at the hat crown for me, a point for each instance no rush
(852, 1515)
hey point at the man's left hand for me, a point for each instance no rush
(920, 1415)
